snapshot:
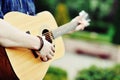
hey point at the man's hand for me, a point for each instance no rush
(82, 21)
(47, 51)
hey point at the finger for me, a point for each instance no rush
(51, 53)
(38, 53)
(87, 24)
(88, 20)
(44, 59)
(83, 14)
(49, 56)
(53, 49)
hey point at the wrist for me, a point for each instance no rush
(41, 43)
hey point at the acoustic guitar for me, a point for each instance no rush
(25, 65)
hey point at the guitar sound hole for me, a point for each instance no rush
(47, 37)
(44, 31)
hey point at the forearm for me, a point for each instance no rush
(12, 37)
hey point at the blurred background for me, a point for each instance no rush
(92, 54)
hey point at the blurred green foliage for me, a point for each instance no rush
(61, 14)
(103, 6)
(55, 73)
(97, 73)
(99, 7)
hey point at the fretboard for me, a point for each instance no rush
(64, 29)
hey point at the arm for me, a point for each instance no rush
(12, 37)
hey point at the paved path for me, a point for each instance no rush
(72, 62)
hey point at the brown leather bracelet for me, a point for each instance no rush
(41, 43)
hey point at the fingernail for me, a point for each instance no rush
(43, 60)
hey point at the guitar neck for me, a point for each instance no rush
(64, 29)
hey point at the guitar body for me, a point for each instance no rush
(23, 62)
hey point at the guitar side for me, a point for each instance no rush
(25, 65)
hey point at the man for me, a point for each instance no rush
(21, 39)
